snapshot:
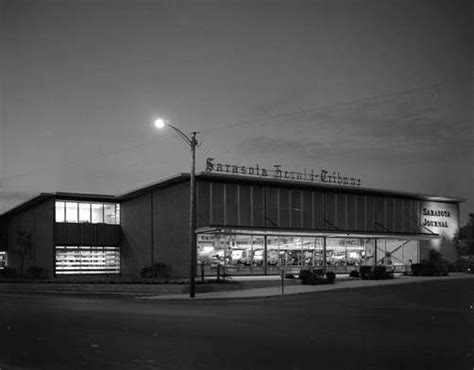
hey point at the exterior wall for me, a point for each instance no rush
(243, 205)
(3, 235)
(445, 222)
(155, 229)
(171, 227)
(86, 234)
(38, 222)
(136, 239)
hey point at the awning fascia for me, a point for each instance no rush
(217, 229)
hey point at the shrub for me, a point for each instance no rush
(354, 273)
(330, 277)
(315, 277)
(305, 275)
(157, 270)
(375, 272)
(365, 272)
(8, 272)
(36, 272)
(379, 272)
(434, 266)
(416, 269)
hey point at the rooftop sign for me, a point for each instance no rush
(277, 172)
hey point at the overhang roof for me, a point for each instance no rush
(213, 229)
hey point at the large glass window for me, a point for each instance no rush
(71, 212)
(60, 211)
(87, 212)
(87, 260)
(3, 260)
(258, 255)
(97, 213)
(345, 253)
(84, 212)
(109, 214)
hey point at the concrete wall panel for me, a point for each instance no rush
(37, 222)
(172, 237)
(136, 239)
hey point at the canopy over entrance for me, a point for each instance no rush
(217, 229)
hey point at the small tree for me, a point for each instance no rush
(23, 247)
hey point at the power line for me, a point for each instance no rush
(252, 122)
(332, 106)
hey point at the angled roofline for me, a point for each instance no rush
(183, 177)
(85, 196)
(335, 188)
(27, 204)
(172, 180)
(59, 195)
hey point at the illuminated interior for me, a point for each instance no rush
(252, 254)
(87, 212)
(3, 260)
(87, 260)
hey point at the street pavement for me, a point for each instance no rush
(419, 325)
(346, 283)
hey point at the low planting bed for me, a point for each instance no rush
(316, 277)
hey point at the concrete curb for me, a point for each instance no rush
(306, 289)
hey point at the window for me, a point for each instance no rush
(87, 260)
(71, 212)
(117, 214)
(3, 260)
(109, 213)
(97, 213)
(84, 212)
(60, 212)
(87, 212)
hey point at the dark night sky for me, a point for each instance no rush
(382, 90)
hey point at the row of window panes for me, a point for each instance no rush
(87, 260)
(96, 213)
(246, 250)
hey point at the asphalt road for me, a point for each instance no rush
(428, 325)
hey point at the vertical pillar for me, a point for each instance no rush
(192, 217)
(324, 253)
(265, 254)
(375, 253)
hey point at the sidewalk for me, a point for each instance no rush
(301, 289)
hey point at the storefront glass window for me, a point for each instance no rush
(258, 255)
(345, 254)
(291, 249)
(273, 254)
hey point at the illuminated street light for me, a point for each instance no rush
(192, 142)
(160, 123)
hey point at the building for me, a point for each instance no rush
(245, 225)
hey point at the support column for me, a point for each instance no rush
(324, 254)
(265, 254)
(375, 253)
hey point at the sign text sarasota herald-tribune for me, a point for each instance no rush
(277, 172)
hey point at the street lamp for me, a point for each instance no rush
(192, 142)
